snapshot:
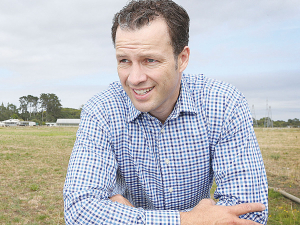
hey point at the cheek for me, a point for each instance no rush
(122, 76)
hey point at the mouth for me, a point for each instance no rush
(143, 91)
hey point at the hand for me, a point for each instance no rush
(120, 199)
(207, 212)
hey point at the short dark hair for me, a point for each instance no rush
(138, 13)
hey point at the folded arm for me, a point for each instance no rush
(90, 184)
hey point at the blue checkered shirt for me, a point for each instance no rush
(163, 169)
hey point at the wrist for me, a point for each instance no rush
(184, 218)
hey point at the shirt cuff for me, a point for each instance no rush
(165, 217)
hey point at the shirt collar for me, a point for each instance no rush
(185, 103)
(132, 112)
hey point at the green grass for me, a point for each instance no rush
(275, 156)
(34, 187)
(280, 150)
(282, 210)
(34, 161)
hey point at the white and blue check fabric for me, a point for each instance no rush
(163, 169)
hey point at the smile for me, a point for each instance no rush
(142, 92)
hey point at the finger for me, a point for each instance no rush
(120, 199)
(247, 208)
(116, 198)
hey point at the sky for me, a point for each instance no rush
(64, 47)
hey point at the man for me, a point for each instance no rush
(148, 148)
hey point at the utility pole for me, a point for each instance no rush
(270, 121)
(254, 116)
(268, 118)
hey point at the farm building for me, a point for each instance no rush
(11, 122)
(67, 122)
(16, 122)
(27, 123)
(50, 124)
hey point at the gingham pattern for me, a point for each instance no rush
(163, 168)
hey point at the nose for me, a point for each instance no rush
(136, 75)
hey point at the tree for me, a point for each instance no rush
(32, 104)
(280, 123)
(28, 105)
(70, 113)
(293, 122)
(52, 105)
(2, 112)
(23, 104)
(44, 103)
(11, 111)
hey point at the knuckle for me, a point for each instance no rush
(232, 221)
(247, 207)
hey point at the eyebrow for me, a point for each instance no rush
(148, 55)
(120, 56)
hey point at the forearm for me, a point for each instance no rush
(88, 209)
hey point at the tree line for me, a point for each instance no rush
(42, 109)
(279, 123)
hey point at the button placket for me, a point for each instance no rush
(165, 165)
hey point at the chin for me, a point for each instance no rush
(142, 108)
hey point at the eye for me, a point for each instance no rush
(151, 60)
(124, 61)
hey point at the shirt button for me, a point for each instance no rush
(171, 190)
(167, 161)
(162, 130)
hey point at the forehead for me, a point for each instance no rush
(155, 35)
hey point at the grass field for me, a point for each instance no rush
(33, 164)
(281, 153)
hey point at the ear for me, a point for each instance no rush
(183, 59)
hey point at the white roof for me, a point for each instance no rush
(12, 120)
(68, 121)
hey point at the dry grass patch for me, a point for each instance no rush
(281, 153)
(33, 164)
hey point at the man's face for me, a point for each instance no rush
(147, 68)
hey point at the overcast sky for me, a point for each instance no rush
(64, 47)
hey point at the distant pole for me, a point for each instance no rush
(268, 118)
(254, 116)
(266, 115)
